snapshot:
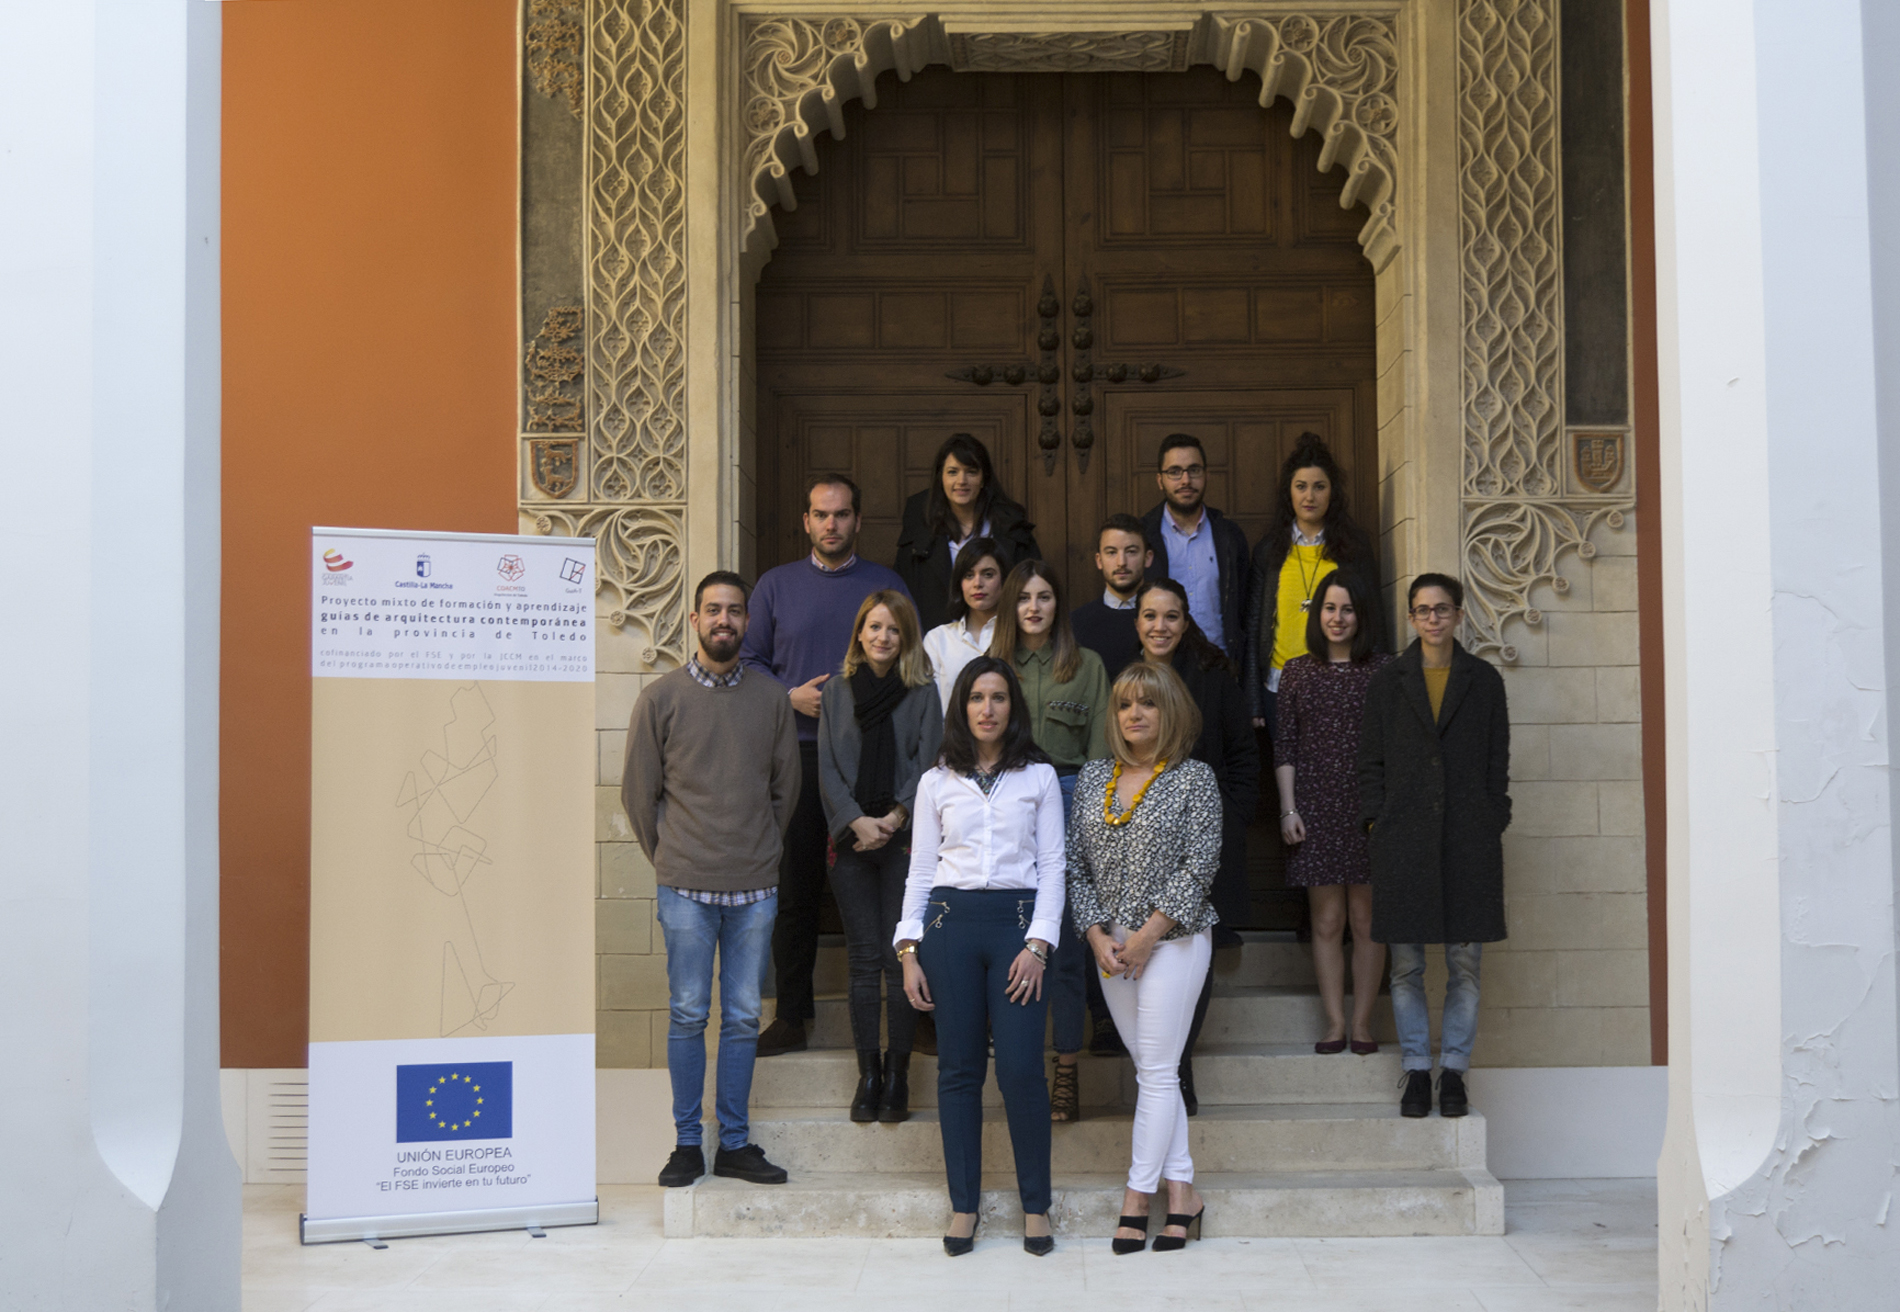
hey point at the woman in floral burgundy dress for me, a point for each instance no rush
(1316, 764)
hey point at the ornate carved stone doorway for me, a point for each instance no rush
(658, 137)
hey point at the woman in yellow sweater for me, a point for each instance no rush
(1312, 534)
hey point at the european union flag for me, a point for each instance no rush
(465, 1100)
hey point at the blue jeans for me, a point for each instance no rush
(970, 939)
(1069, 967)
(1460, 1026)
(743, 936)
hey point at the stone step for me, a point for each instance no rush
(1248, 1138)
(1263, 1014)
(1223, 1074)
(1281, 1204)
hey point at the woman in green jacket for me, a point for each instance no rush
(1065, 688)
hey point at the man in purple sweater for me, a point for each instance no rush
(801, 625)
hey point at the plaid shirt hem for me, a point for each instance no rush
(742, 898)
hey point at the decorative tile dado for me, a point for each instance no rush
(1069, 52)
(1519, 518)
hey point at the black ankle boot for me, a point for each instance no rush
(870, 1088)
(894, 1105)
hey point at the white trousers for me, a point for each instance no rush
(1153, 1014)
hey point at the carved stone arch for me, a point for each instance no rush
(1339, 71)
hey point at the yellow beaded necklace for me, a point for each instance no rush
(1109, 817)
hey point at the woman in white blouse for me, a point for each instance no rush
(982, 911)
(976, 583)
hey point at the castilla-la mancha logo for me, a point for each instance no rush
(511, 568)
(334, 562)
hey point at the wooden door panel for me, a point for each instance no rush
(1247, 432)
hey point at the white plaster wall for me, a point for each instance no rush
(120, 1191)
(1777, 1171)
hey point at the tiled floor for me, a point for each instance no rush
(1574, 1245)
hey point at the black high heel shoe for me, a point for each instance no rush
(954, 1246)
(1192, 1224)
(1039, 1245)
(1123, 1247)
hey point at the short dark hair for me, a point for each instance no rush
(1121, 523)
(1176, 440)
(817, 481)
(1365, 601)
(722, 578)
(1019, 738)
(965, 565)
(1451, 585)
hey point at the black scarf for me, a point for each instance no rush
(876, 700)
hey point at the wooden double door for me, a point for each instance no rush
(1010, 254)
(1069, 267)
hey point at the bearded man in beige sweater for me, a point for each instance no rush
(712, 775)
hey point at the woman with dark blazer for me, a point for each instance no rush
(880, 724)
(964, 501)
(1169, 636)
(1435, 797)
(1312, 534)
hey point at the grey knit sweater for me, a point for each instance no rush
(712, 776)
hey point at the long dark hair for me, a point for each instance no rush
(1204, 652)
(1364, 601)
(1065, 655)
(967, 560)
(968, 451)
(959, 744)
(1343, 534)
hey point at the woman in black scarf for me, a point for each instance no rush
(879, 729)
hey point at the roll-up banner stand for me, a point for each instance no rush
(452, 770)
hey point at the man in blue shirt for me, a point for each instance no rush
(800, 627)
(1197, 545)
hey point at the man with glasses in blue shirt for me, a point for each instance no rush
(1198, 546)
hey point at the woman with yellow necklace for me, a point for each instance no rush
(1144, 842)
(1312, 534)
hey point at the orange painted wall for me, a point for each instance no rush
(369, 366)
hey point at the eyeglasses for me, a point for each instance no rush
(1438, 612)
(1175, 473)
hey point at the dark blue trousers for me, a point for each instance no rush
(970, 939)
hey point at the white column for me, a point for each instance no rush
(120, 1190)
(1776, 1176)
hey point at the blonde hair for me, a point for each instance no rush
(1180, 717)
(913, 667)
(1067, 656)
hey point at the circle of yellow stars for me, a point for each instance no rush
(439, 1085)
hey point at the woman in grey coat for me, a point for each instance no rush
(880, 725)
